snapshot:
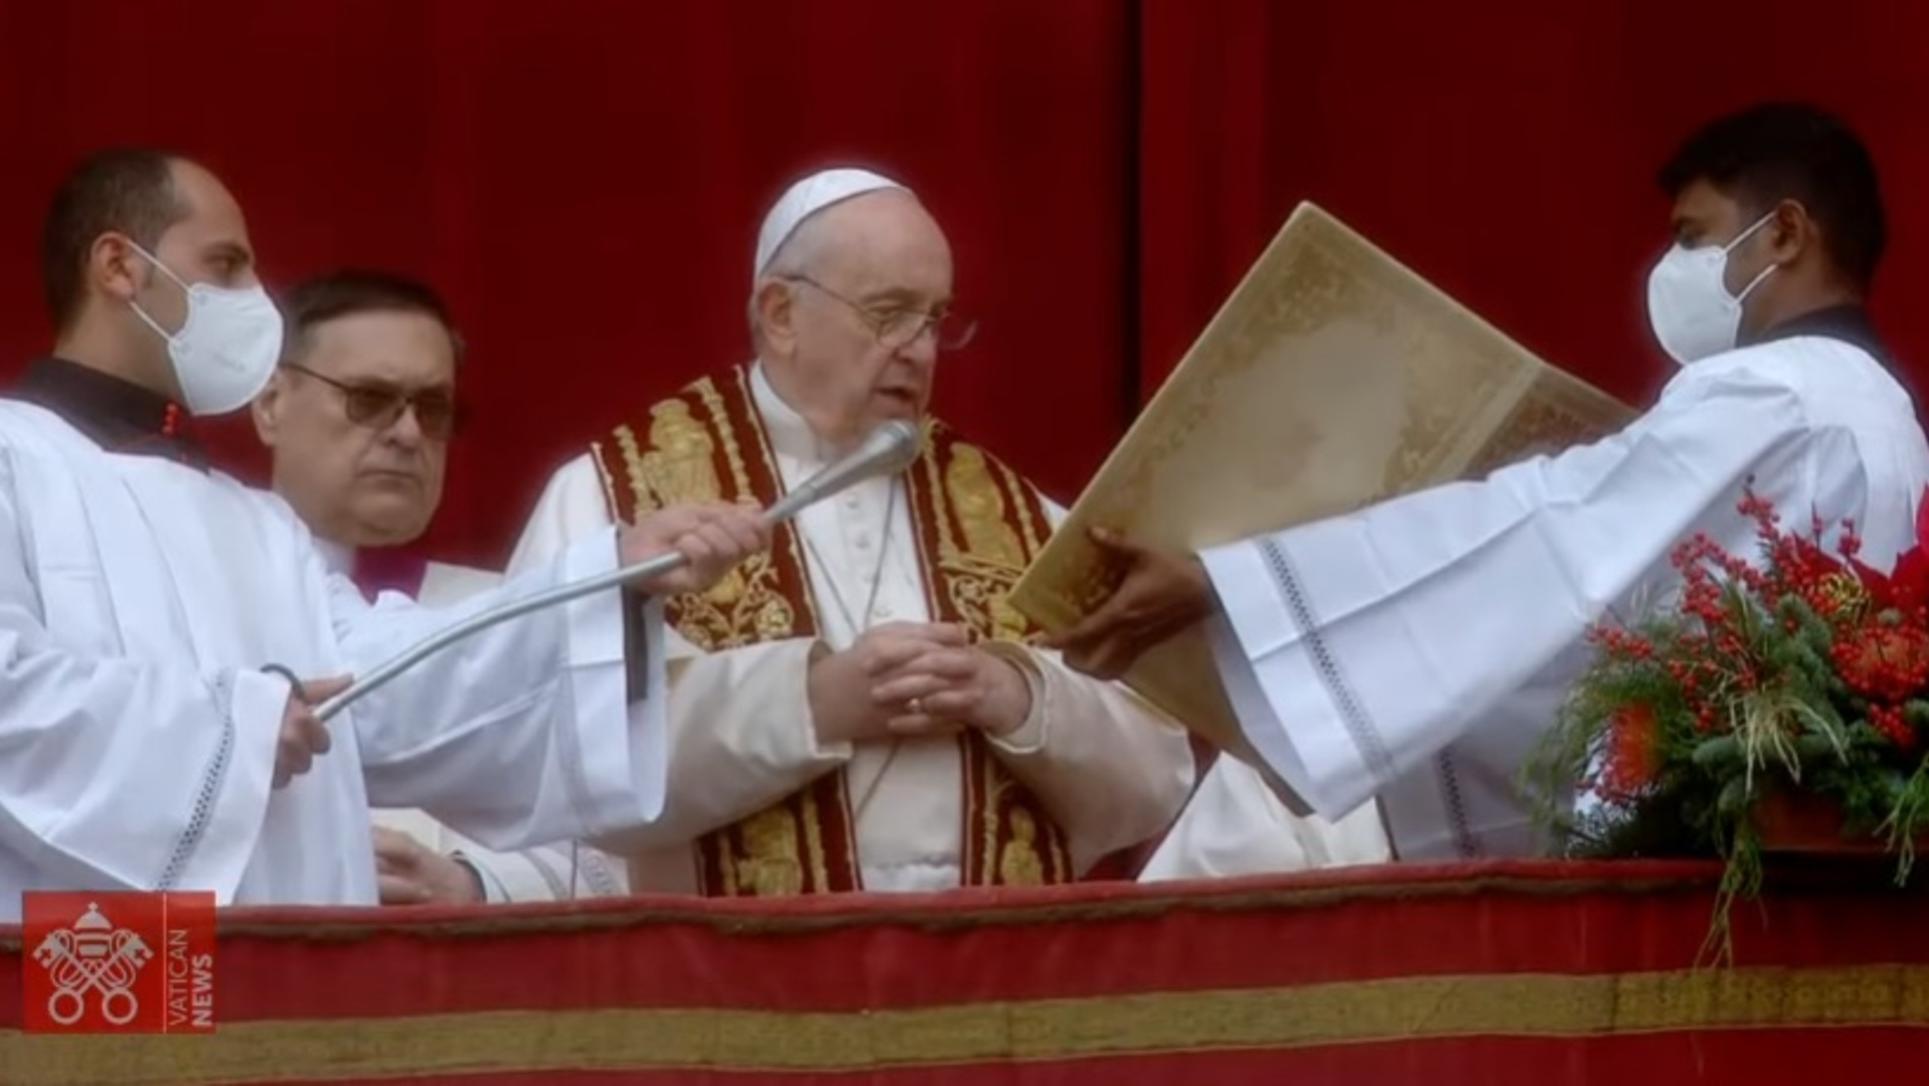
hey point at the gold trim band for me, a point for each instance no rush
(1352, 1012)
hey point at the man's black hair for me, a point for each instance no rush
(1789, 151)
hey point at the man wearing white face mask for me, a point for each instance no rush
(1415, 650)
(166, 633)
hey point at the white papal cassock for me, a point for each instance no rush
(139, 600)
(1234, 825)
(1110, 768)
(1417, 649)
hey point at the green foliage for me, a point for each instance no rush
(1688, 719)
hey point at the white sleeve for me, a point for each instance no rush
(1379, 637)
(564, 871)
(520, 734)
(740, 737)
(119, 773)
(1234, 825)
(537, 873)
(1112, 770)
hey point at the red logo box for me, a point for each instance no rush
(118, 962)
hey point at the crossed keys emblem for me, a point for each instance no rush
(93, 956)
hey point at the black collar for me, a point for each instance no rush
(1848, 323)
(117, 415)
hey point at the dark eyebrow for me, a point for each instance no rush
(233, 251)
(397, 388)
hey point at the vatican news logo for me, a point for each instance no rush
(118, 962)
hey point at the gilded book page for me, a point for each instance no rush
(1333, 377)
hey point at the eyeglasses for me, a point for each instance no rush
(899, 328)
(379, 406)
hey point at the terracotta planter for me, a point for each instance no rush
(1803, 823)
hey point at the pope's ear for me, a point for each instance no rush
(773, 308)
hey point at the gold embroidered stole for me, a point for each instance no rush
(977, 524)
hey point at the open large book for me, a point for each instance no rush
(1332, 378)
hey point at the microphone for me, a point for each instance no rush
(887, 450)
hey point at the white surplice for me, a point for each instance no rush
(443, 583)
(1111, 770)
(139, 600)
(555, 871)
(1417, 649)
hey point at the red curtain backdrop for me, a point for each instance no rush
(583, 179)
(1505, 149)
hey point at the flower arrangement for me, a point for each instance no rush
(1803, 680)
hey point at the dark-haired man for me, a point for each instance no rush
(359, 416)
(1779, 207)
(1416, 649)
(166, 633)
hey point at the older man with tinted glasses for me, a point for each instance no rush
(359, 416)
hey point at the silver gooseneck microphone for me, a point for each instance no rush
(889, 449)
